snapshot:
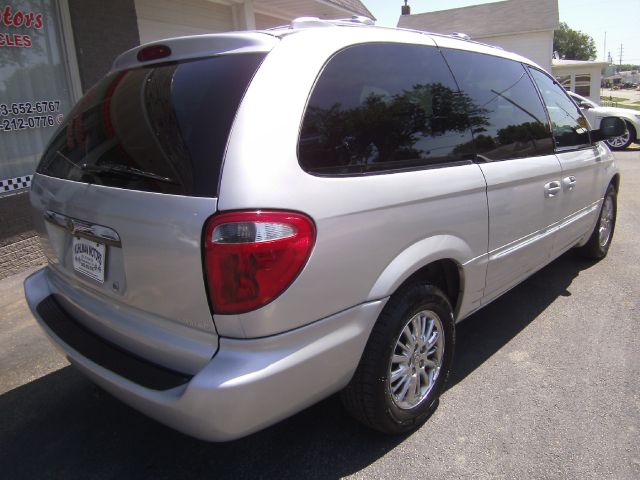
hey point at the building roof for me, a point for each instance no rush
(289, 9)
(490, 19)
(355, 6)
(555, 63)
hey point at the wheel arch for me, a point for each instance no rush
(632, 129)
(615, 181)
(446, 274)
(443, 266)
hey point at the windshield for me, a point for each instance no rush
(162, 128)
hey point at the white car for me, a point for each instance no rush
(595, 113)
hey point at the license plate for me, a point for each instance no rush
(89, 258)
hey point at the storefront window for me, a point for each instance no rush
(34, 85)
(583, 84)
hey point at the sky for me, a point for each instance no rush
(620, 19)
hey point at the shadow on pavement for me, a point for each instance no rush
(62, 426)
(485, 332)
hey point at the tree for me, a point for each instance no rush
(573, 44)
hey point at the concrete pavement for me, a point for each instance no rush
(25, 353)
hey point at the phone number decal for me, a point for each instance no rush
(29, 108)
(25, 123)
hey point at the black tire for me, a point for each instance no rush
(614, 143)
(597, 248)
(369, 397)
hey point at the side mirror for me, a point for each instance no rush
(609, 127)
(584, 105)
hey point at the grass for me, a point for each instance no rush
(606, 98)
(633, 106)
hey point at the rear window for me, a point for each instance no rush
(162, 128)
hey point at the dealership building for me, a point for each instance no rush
(51, 51)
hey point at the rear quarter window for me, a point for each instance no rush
(161, 128)
(383, 107)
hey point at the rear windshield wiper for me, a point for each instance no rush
(118, 169)
(125, 170)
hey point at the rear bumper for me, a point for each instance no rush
(246, 386)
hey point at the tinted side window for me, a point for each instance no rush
(570, 128)
(380, 107)
(509, 120)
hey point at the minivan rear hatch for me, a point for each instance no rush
(121, 196)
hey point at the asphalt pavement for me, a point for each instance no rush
(546, 384)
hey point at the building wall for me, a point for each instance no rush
(266, 21)
(536, 46)
(630, 76)
(19, 245)
(159, 19)
(102, 30)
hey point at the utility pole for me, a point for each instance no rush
(621, 54)
(604, 48)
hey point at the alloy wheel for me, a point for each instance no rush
(606, 221)
(416, 360)
(619, 142)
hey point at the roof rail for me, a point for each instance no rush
(358, 19)
(308, 22)
(457, 35)
(461, 36)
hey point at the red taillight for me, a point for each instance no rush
(153, 52)
(252, 257)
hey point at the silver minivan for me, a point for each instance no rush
(240, 225)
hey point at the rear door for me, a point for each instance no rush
(583, 169)
(515, 152)
(123, 191)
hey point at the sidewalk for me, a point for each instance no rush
(23, 345)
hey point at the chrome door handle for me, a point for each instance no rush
(551, 189)
(569, 182)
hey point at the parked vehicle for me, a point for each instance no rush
(240, 225)
(595, 113)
